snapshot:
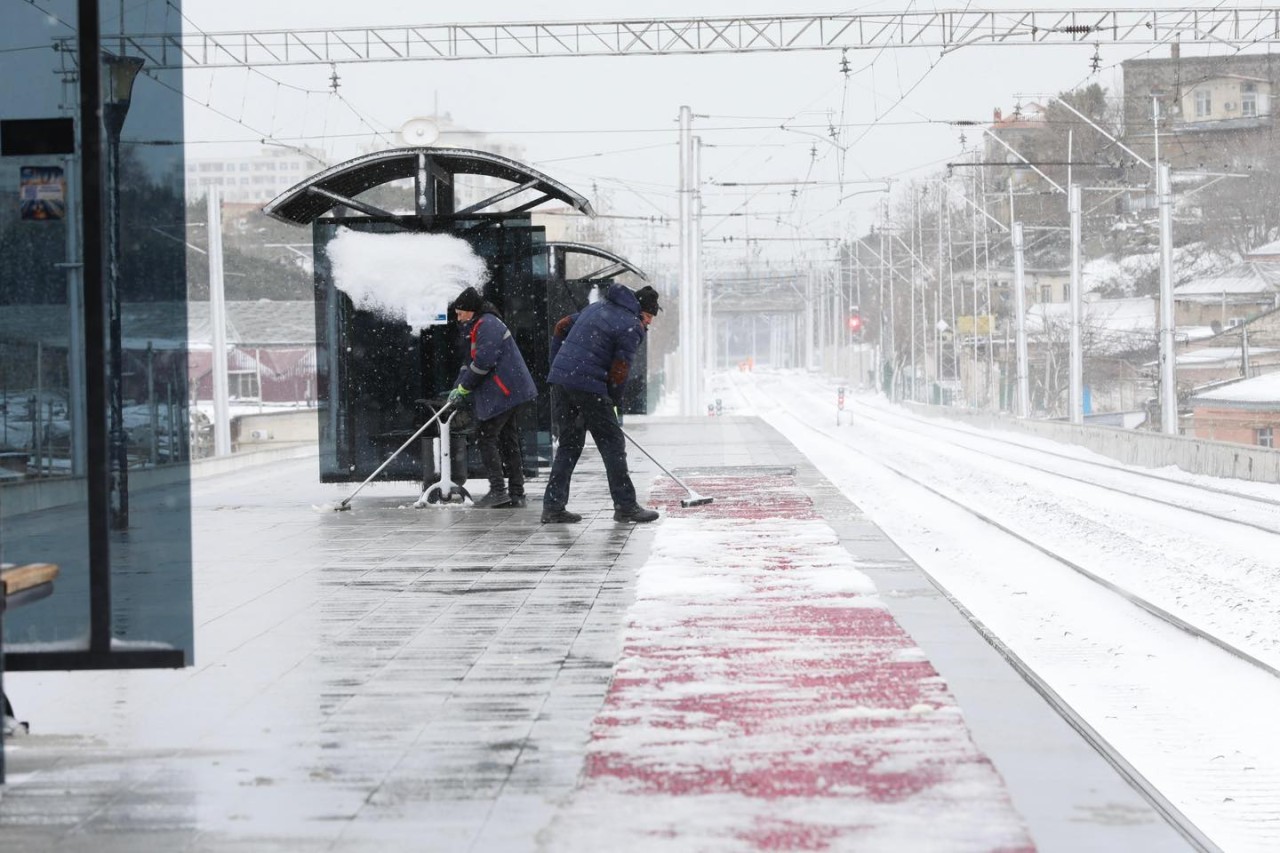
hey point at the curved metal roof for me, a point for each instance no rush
(587, 249)
(307, 201)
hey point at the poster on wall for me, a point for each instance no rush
(42, 193)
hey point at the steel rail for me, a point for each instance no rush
(1119, 490)
(1104, 465)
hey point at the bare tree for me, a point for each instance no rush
(1239, 214)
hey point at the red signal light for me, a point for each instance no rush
(855, 323)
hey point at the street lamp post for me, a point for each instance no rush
(119, 73)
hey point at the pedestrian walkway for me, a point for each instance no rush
(764, 673)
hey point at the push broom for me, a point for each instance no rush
(346, 502)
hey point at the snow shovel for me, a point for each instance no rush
(346, 503)
(694, 498)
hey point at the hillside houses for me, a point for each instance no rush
(1239, 351)
(1229, 298)
(1246, 411)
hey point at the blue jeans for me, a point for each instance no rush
(576, 414)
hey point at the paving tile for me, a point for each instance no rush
(376, 680)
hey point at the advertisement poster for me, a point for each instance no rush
(43, 192)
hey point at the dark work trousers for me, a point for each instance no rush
(499, 442)
(577, 413)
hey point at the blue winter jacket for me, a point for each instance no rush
(593, 349)
(494, 371)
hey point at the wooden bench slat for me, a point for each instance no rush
(25, 577)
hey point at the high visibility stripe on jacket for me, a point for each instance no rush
(492, 352)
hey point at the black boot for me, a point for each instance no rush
(637, 514)
(559, 516)
(495, 499)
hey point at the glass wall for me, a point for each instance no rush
(94, 425)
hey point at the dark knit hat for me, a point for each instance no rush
(468, 300)
(648, 300)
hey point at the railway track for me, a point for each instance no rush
(1176, 817)
(1264, 504)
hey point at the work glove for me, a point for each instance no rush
(458, 395)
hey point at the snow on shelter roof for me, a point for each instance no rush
(1247, 393)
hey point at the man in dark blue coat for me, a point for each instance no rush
(591, 355)
(497, 382)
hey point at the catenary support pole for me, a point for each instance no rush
(915, 249)
(218, 327)
(695, 271)
(1020, 315)
(881, 314)
(808, 319)
(687, 310)
(1075, 383)
(75, 330)
(973, 265)
(1168, 358)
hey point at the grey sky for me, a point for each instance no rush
(611, 120)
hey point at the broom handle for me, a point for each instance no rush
(420, 431)
(656, 462)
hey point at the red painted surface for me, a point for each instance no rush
(807, 699)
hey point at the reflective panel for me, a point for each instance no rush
(93, 356)
(378, 377)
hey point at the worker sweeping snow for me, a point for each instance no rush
(591, 355)
(495, 380)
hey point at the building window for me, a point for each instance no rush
(243, 385)
(1264, 437)
(1204, 103)
(1249, 99)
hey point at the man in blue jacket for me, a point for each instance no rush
(591, 355)
(496, 380)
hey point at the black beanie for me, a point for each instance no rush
(648, 300)
(468, 300)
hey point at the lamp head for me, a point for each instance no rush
(117, 83)
(119, 74)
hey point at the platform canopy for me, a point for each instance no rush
(558, 250)
(432, 170)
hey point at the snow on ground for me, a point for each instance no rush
(1189, 262)
(1197, 723)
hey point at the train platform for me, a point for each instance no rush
(767, 672)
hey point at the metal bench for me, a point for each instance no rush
(19, 586)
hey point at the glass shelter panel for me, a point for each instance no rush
(93, 352)
(379, 379)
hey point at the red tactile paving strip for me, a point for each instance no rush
(770, 709)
